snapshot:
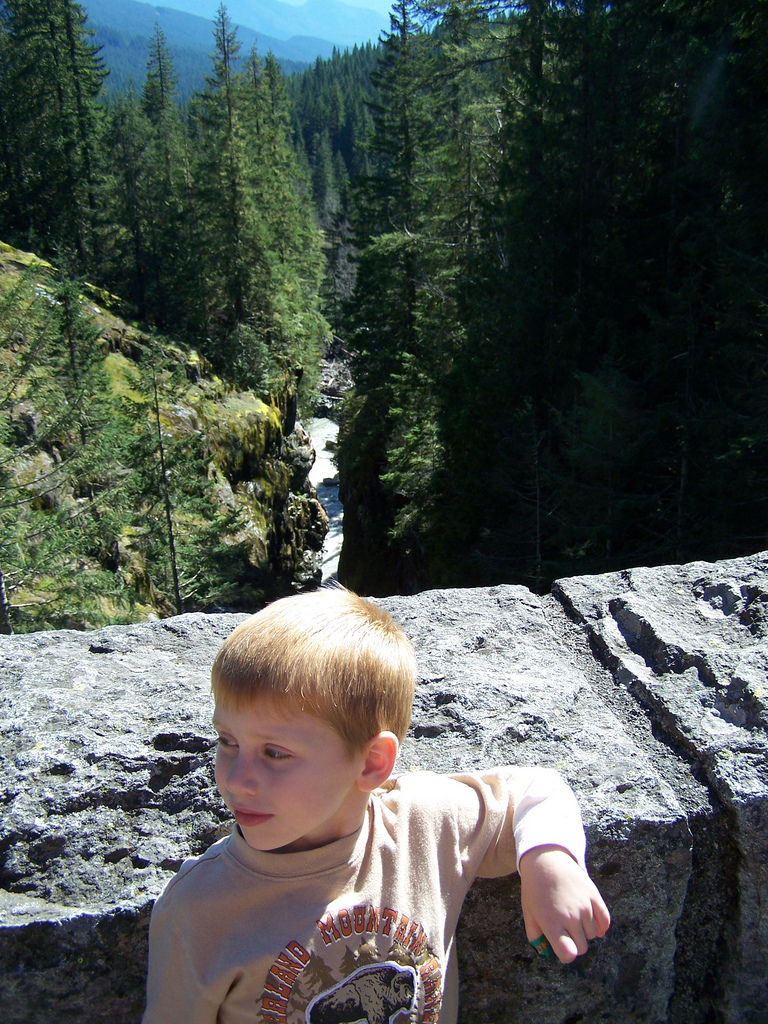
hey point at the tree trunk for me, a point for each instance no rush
(167, 499)
(5, 608)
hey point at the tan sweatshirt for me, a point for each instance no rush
(361, 930)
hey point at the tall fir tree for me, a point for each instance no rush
(396, 338)
(60, 436)
(232, 249)
(259, 246)
(51, 79)
(171, 272)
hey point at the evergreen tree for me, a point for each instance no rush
(51, 78)
(233, 250)
(58, 442)
(396, 328)
(259, 245)
(183, 538)
(127, 268)
(171, 274)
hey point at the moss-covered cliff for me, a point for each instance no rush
(133, 481)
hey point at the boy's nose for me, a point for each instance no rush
(241, 777)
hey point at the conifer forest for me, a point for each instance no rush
(539, 229)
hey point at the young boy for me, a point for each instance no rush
(336, 897)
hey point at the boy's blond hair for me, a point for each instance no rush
(329, 653)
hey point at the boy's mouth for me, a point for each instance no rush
(247, 819)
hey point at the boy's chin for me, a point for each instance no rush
(265, 845)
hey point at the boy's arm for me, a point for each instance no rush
(174, 991)
(559, 899)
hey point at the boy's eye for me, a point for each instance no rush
(275, 755)
(225, 741)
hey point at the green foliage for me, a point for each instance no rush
(544, 235)
(111, 502)
(50, 76)
(559, 310)
(183, 535)
(201, 222)
(57, 462)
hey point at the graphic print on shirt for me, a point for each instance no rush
(362, 965)
(377, 994)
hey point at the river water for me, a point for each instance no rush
(325, 477)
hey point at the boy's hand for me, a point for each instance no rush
(560, 901)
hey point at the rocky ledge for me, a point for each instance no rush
(646, 689)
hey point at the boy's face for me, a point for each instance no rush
(287, 778)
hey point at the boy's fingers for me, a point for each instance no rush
(595, 921)
(566, 949)
(591, 926)
(567, 945)
(602, 917)
(532, 928)
(561, 943)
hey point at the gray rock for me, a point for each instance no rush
(646, 689)
(506, 680)
(689, 644)
(106, 787)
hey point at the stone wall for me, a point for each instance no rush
(646, 689)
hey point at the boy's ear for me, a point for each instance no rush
(380, 756)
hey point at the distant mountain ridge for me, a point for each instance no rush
(123, 29)
(131, 18)
(340, 23)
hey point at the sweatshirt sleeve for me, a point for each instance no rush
(525, 808)
(175, 994)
